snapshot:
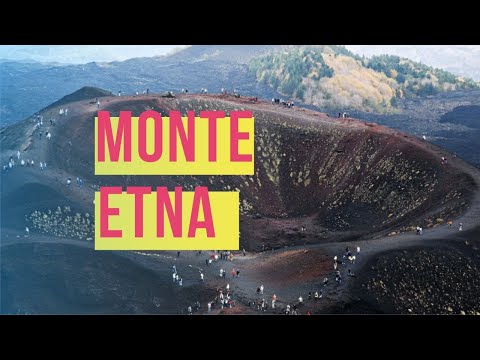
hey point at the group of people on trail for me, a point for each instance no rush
(29, 163)
(419, 230)
(176, 278)
(444, 160)
(343, 115)
(63, 111)
(288, 104)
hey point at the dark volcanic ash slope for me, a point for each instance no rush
(336, 177)
(434, 280)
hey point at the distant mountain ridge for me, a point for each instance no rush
(27, 87)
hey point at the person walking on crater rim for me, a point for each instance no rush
(460, 227)
(238, 273)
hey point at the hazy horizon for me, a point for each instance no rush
(81, 54)
(462, 60)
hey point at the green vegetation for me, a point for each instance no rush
(417, 79)
(332, 77)
(285, 71)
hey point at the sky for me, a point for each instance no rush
(80, 54)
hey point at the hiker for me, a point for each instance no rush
(201, 276)
(294, 312)
(258, 291)
(148, 91)
(221, 272)
(174, 269)
(174, 275)
(421, 230)
(460, 227)
(66, 112)
(178, 253)
(325, 281)
(350, 273)
(31, 163)
(49, 135)
(228, 287)
(209, 306)
(300, 300)
(22, 162)
(18, 155)
(189, 310)
(69, 182)
(27, 230)
(98, 104)
(233, 273)
(119, 93)
(206, 262)
(287, 312)
(41, 166)
(358, 249)
(243, 250)
(450, 223)
(316, 295)
(261, 289)
(238, 273)
(180, 282)
(418, 230)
